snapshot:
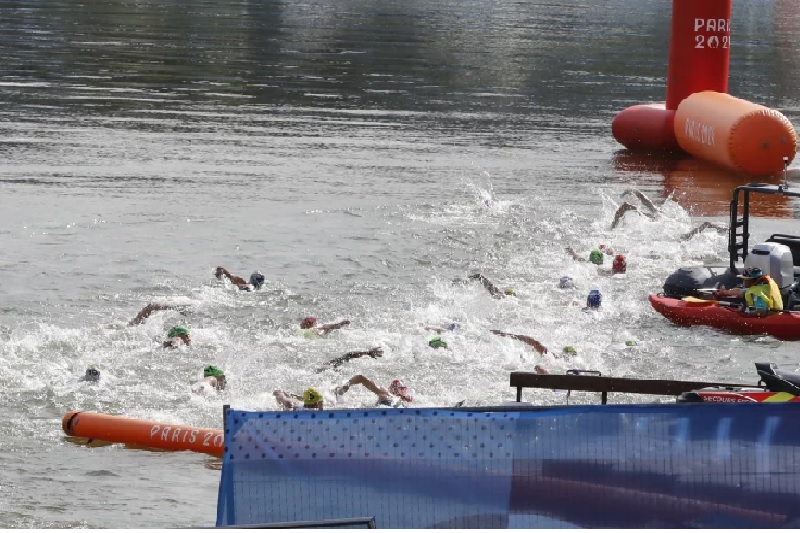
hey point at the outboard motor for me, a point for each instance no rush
(687, 280)
(774, 260)
(777, 380)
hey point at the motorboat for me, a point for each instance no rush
(774, 386)
(686, 297)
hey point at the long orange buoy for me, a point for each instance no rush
(737, 134)
(143, 432)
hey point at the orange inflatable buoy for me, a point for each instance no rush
(143, 433)
(737, 134)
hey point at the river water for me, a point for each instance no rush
(364, 155)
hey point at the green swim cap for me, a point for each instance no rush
(437, 342)
(176, 331)
(211, 370)
(311, 397)
(510, 292)
(630, 343)
(596, 257)
(570, 350)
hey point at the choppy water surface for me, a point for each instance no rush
(363, 156)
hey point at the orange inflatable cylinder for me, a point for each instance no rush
(737, 134)
(143, 433)
(699, 48)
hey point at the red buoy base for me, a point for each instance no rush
(646, 127)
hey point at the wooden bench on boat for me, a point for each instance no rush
(575, 380)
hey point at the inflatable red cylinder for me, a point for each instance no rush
(143, 433)
(645, 127)
(737, 134)
(699, 48)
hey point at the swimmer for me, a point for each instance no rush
(310, 323)
(176, 336)
(649, 209)
(256, 279)
(566, 282)
(312, 400)
(493, 290)
(437, 342)
(594, 300)
(396, 395)
(441, 329)
(719, 228)
(596, 256)
(213, 379)
(92, 375)
(530, 341)
(333, 364)
(618, 266)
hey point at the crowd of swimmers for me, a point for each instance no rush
(397, 393)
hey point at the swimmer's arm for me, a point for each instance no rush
(574, 255)
(702, 227)
(368, 384)
(494, 291)
(642, 198)
(147, 311)
(236, 280)
(624, 208)
(325, 328)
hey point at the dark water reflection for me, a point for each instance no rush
(499, 60)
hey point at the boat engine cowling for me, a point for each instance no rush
(687, 280)
(774, 260)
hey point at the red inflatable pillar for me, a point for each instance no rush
(699, 55)
(699, 49)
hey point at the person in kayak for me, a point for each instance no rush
(397, 394)
(312, 400)
(492, 288)
(256, 279)
(760, 292)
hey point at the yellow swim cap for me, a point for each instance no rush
(311, 397)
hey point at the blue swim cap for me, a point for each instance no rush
(594, 299)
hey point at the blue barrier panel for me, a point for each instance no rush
(682, 465)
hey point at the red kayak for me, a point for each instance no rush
(784, 325)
